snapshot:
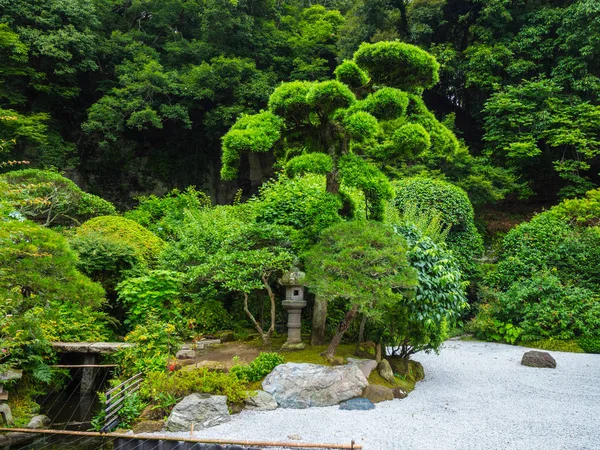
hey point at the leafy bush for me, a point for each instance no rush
(103, 258)
(439, 298)
(72, 323)
(206, 316)
(161, 215)
(155, 343)
(158, 385)
(300, 203)
(590, 344)
(51, 199)
(23, 344)
(146, 246)
(429, 196)
(37, 267)
(550, 242)
(262, 365)
(157, 293)
(545, 307)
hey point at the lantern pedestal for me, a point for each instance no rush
(294, 326)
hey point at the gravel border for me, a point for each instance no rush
(475, 395)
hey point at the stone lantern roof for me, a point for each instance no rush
(293, 277)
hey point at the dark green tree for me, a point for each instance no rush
(366, 265)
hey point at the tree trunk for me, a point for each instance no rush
(317, 336)
(361, 332)
(378, 353)
(333, 182)
(342, 327)
(266, 337)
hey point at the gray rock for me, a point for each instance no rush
(304, 385)
(366, 366)
(202, 410)
(377, 393)
(261, 401)
(186, 354)
(38, 422)
(538, 359)
(357, 404)
(385, 370)
(6, 413)
(399, 393)
(295, 437)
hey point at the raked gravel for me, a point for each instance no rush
(475, 395)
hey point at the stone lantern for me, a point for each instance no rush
(294, 302)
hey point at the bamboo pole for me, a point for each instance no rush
(351, 446)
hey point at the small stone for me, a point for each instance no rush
(357, 404)
(148, 426)
(377, 393)
(226, 336)
(38, 422)
(385, 370)
(295, 437)
(212, 366)
(292, 347)
(399, 393)
(186, 354)
(261, 401)
(538, 359)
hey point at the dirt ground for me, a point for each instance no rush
(224, 353)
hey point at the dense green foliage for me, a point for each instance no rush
(258, 368)
(452, 203)
(51, 199)
(365, 265)
(547, 278)
(423, 321)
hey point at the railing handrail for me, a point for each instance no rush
(110, 391)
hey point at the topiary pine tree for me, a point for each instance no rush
(371, 113)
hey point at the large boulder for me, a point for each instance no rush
(538, 359)
(202, 410)
(261, 401)
(304, 385)
(377, 393)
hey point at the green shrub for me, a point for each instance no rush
(72, 323)
(205, 315)
(262, 365)
(439, 298)
(556, 345)
(146, 246)
(103, 258)
(160, 386)
(155, 343)
(590, 344)
(300, 203)
(429, 196)
(544, 307)
(161, 215)
(37, 267)
(157, 293)
(51, 199)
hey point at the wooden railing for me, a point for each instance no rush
(115, 400)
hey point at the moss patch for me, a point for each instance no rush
(555, 345)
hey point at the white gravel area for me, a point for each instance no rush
(475, 395)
